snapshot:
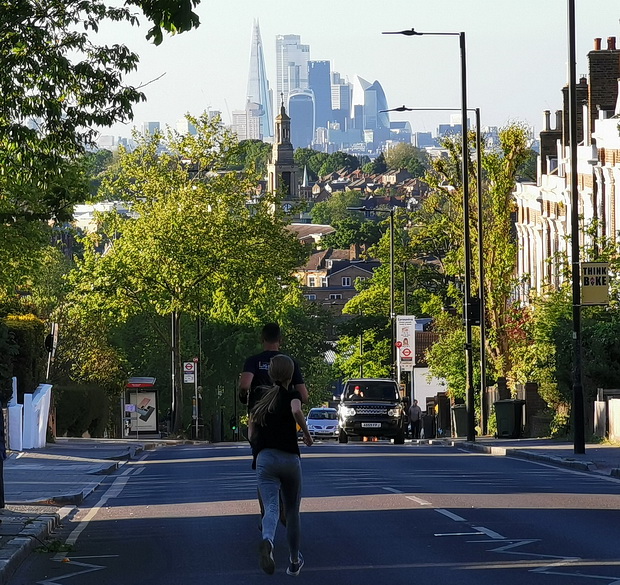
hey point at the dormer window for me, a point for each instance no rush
(346, 281)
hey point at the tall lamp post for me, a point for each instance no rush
(471, 419)
(578, 406)
(483, 361)
(392, 315)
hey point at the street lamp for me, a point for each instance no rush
(578, 407)
(483, 361)
(471, 433)
(392, 321)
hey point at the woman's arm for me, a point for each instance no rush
(300, 419)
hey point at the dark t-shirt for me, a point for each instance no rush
(280, 428)
(259, 366)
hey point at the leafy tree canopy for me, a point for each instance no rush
(335, 208)
(352, 230)
(407, 156)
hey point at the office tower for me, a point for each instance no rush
(375, 104)
(258, 87)
(149, 128)
(319, 81)
(291, 65)
(342, 95)
(301, 112)
(184, 126)
(247, 124)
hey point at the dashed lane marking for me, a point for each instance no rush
(450, 515)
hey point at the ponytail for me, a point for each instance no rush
(281, 371)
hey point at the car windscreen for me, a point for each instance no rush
(371, 391)
(322, 415)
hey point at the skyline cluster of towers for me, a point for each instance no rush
(324, 107)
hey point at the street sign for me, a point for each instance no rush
(195, 360)
(188, 378)
(594, 277)
(405, 336)
(189, 367)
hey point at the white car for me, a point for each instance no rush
(323, 423)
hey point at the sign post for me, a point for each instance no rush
(594, 278)
(405, 342)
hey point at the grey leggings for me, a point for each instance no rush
(278, 471)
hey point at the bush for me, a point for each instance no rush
(81, 409)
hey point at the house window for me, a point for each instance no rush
(324, 281)
(310, 297)
(361, 278)
(311, 281)
(335, 297)
(346, 281)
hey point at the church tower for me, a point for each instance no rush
(282, 171)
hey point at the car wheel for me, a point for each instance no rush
(343, 437)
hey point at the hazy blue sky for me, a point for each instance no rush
(516, 53)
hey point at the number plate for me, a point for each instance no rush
(371, 425)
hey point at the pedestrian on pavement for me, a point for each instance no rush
(273, 435)
(415, 419)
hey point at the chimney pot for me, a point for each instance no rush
(597, 44)
(547, 124)
(611, 43)
(558, 120)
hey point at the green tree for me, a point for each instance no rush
(338, 160)
(376, 166)
(407, 156)
(303, 159)
(335, 208)
(192, 245)
(352, 230)
(251, 156)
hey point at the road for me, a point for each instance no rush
(373, 513)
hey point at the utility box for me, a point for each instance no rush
(509, 417)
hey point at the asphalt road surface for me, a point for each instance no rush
(372, 514)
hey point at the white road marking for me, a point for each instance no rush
(489, 533)
(392, 490)
(450, 515)
(89, 569)
(460, 534)
(419, 501)
(112, 492)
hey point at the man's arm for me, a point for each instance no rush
(300, 419)
(245, 383)
(303, 392)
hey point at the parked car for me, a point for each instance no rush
(371, 407)
(323, 423)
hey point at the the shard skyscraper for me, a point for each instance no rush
(258, 86)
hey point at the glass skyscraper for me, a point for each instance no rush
(319, 81)
(291, 65)
(259, 94)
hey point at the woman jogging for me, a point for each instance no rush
(273, 435)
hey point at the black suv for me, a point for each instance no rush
(371, 407)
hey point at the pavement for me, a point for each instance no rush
(44, 486)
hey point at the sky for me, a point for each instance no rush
(517, 54)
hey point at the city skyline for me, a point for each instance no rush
(516, 63)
